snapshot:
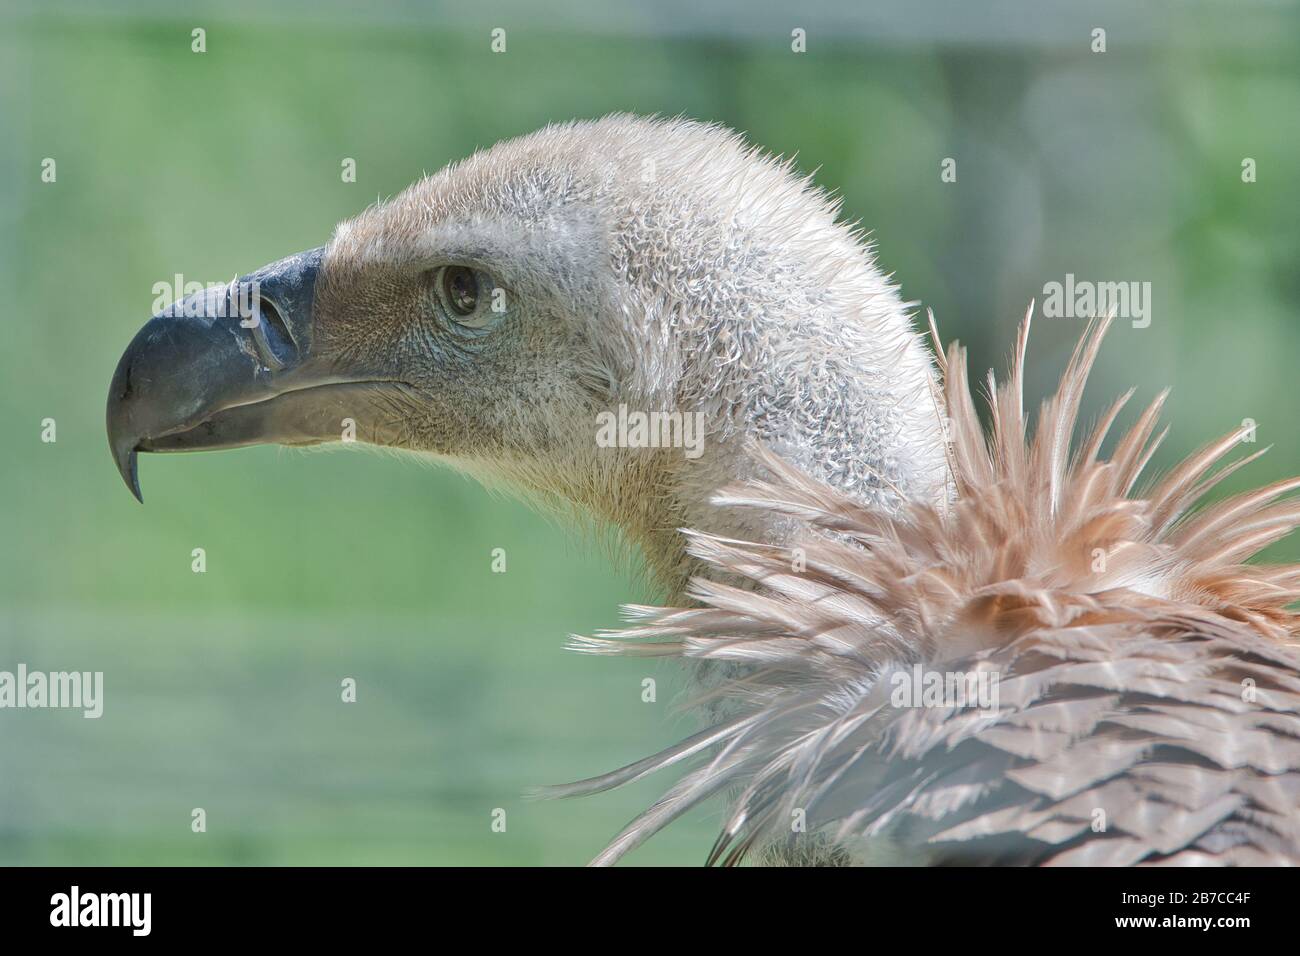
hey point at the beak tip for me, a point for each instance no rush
(128, 466)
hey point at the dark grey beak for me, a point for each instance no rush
(224, 368)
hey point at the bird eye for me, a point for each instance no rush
(460, 289)
(464, 295)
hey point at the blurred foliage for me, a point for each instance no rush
(222, 688)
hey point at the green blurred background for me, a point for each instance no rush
(222, 689)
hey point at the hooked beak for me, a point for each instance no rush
(231, 367)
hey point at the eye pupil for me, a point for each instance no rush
(460, 289)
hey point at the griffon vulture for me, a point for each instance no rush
(852, 530)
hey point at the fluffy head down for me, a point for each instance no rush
(1148, 682)
(663, 265)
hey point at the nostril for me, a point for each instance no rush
(272, 333)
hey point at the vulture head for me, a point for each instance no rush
(492, 312)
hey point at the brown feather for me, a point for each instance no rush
(1148, 679)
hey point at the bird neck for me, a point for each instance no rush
(859, 414)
